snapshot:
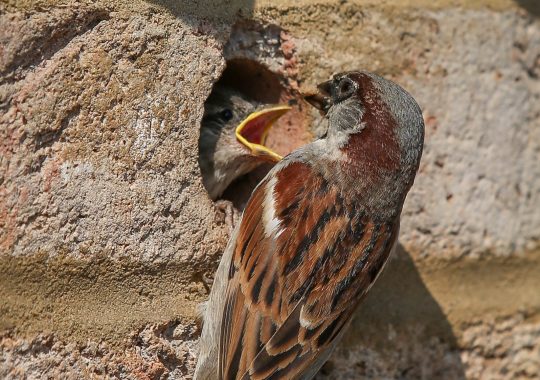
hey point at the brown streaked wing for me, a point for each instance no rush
(291, 294)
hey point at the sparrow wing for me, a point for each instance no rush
(305, 255)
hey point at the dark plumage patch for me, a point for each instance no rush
(269, 295)
(374, 271)
(265, 364)
(356, 230)
(344, 285)
(327, 333)
(307, 241)
(256, 289)
(232, 271)
(287, 213)
(299, 293)
(310, 333)
(246, 243)
(322, 260)
(323, 187)
(339, 203)
(369, 249)
(253, 268)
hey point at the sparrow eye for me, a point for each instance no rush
(226, 114)
(345, 89)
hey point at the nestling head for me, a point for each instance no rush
(224, 111)
(232, 137)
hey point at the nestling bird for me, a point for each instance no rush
(315, 235)
(231, 142)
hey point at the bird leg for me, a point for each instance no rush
(226, 213)
(207, 281)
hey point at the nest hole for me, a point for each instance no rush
(255, 81)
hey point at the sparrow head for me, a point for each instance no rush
(375, 125)
(372, 120)
(232, 137)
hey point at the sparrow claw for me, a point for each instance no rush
(226, 213)
(207, 282)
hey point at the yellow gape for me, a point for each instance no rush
(252, 131)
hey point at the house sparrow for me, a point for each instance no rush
(231, 142)
(315, 235)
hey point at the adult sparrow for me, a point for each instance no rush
(231, 142)
(315, 235)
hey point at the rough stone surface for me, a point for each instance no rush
(106, 230)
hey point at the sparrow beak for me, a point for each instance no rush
(252, 131)
(323, 99)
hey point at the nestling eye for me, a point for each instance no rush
(226, 114)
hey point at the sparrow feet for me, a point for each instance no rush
(207, 282)
(226, 213)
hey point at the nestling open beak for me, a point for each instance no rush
(323, 99)
(252, 131)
